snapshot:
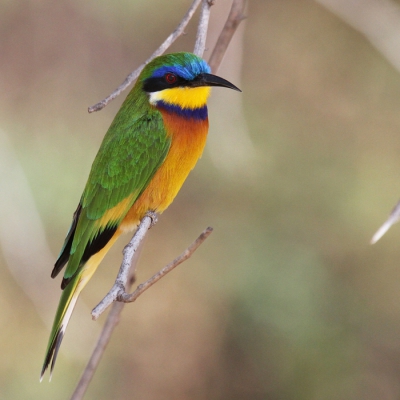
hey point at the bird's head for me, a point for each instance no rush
(180, 79)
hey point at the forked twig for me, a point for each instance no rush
(134, 74)
(121, 282)
(119, 290)
(113, 316)
(129, 298)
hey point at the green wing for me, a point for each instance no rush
(132, 151)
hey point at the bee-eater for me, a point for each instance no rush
(151, 146)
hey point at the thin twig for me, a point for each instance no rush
(165, 45)
(202, 27)
(108, 328)
(235, 17)
(130, 249)
(393, 218)
(129, 298)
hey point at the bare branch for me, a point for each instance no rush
(129, 298)
(104, 338)
(133, 75)
(202, 28)
(235, 17)
(393, 218)
(118, 291)
(121, 282)
(113, 316)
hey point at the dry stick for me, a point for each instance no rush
(113, 316)
(129, 298)
(235, 17)
(393, 218)
(202, 28)
(121, 282)
(108, 328)
(165, 45)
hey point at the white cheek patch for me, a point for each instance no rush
(154, 98)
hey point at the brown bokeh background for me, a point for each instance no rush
(286, 299)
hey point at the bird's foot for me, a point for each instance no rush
(153, 216)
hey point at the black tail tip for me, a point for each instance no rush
(51, 355)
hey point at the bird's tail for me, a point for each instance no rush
(65, 307)
(67, 303)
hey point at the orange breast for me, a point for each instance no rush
(188, 138)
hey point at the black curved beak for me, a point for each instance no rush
(212, 80)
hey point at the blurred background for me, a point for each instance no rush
(287, 299)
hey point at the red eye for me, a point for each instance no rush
(170, 78)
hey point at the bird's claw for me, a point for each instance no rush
(153, 216)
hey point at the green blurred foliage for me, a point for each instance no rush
(286, 300)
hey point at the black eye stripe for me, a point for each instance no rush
(156, 84)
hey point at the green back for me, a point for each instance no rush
(132, 150)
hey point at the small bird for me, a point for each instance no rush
(152, 144)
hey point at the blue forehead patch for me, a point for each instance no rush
(188, 68)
